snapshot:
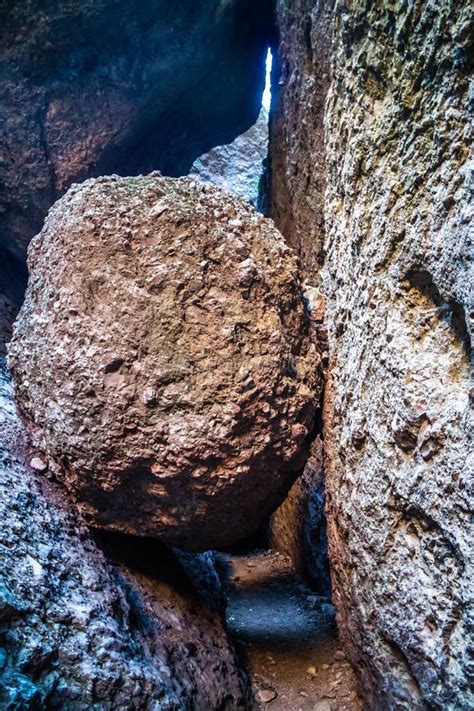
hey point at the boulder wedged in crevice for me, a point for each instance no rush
(94, 87)
(79, 631)
(165, 365)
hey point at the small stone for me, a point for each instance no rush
(38, 465)
(321, 706)
(266, 695)
(157, 209)
(312, 672)
(324, 666)
(340, 656)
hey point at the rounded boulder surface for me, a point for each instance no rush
(163, 359)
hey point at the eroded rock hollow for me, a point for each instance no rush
(91, 87)
(164, 360)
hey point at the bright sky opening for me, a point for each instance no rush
(267, 93)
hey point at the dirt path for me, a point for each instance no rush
(287, 636)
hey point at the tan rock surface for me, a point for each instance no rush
(397, 423)
(163, 358)
(397, 275)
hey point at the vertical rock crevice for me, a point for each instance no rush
(295, 186)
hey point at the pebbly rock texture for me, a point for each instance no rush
(163, 358)
(238, 166)
(98, 86)
(78, 632)
(398, 421)
(396, 280)
(300, 81)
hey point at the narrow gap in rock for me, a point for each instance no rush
(277, 582)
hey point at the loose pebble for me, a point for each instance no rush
(266, 695)
(38, 465)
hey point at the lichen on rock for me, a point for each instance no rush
(163, 358)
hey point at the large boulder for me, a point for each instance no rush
(98, 86)
(163, 358)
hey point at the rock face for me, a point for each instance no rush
(163, 358)
(79, 632)
(300, 82)
(396, 414)
(94, 86)
(237, 167)
(298, 527)
(397, 279)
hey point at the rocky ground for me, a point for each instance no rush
(287, 636)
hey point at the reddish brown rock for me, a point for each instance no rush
(91, 87)
(163, 358)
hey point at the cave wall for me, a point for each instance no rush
(297, 161)
(92, 87)
(395, 278)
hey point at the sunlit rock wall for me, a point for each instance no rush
(396, 418)
(397, 411)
